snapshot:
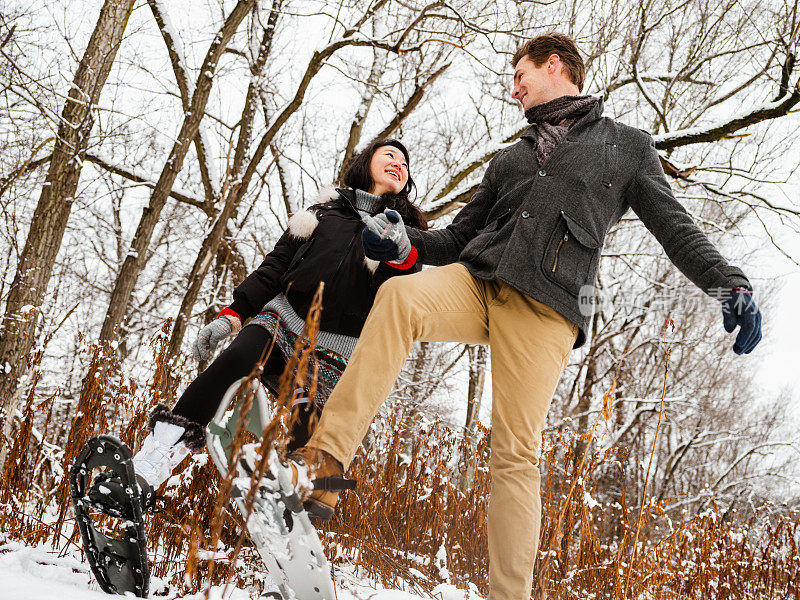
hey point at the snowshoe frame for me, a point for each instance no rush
(119, 565)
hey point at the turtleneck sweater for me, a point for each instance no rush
(366, 203)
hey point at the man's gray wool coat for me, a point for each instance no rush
(540, 228)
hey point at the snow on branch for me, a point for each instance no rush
(352, 37)
(749, 452)
(394, 124)
(449, 203)
(413, 102)
(648, 76)
(208, 172)
(29, 165)
(724, 129)
(52, 453)
(132, 174)
(449, 196)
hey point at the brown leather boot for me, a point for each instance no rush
(325, 473)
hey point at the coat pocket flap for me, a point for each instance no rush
(579, 231)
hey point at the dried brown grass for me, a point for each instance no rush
(418, 516)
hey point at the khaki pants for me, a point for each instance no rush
(530, 343)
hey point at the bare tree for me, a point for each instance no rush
(134, 261)
(52, 212)
(716, 85)
(242, 173)
(211, 244)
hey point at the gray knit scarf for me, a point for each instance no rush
(554, 119)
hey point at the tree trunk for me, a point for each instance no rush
(211, 245)
(477, 375)
(135, 260)
(186, 88)
(200, 269)
(370, 91)
(55, 203)
(584, 404)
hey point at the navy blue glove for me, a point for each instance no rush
(739, 308)
(384, 238)
(377, 248)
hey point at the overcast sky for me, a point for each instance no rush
(779, 352)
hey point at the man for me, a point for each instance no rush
(514, 261)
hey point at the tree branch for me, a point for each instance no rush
(131, 175)
(726, 129)
(186, 88)
(412, 103)
(367, 97)
(27, 167)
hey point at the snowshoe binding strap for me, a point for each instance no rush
(318, 511)
(108, 494)
(334, 484)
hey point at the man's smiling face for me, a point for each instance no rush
(534, 85)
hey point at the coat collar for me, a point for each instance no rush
(348, 197)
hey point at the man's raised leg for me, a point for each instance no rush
(439, 304)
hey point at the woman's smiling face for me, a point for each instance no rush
(389, 171)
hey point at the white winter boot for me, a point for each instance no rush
(160, 453)
(171, 439)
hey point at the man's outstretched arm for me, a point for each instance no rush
(689, 249)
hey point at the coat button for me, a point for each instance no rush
(525, 214)
(542, 173)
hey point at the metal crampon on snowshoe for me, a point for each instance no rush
(277, 524)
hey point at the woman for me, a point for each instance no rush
(322, 243)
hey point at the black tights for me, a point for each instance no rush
(202, 397)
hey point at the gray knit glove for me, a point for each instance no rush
(385, 237)
(211, 335)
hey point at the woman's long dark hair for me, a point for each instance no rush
(359, 177)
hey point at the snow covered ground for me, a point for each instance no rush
(28, 573)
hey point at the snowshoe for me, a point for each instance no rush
(277, 523)
(108, 495)
(119, 565)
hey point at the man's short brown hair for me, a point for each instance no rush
(540, 48)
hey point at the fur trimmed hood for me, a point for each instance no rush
(326, 194)
(322, 243)
(303, 223)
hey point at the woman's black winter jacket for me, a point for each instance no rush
(322, 243)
